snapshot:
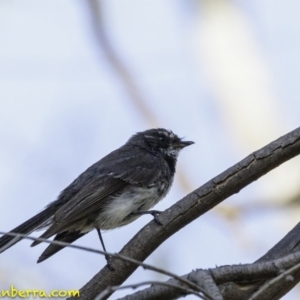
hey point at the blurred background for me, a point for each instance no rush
(78, 78)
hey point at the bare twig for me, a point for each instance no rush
(115, 255)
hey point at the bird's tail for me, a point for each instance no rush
(67, 237)
(27, 227)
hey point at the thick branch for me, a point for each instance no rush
(290, 243)
(246, 277)
(194, 205)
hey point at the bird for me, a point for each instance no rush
(111, 193)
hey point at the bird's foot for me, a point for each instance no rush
(109, 265)
(154, 213)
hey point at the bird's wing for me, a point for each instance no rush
(89, 199)
(143, 170)
(139, 176)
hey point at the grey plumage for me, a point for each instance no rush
(108, 194)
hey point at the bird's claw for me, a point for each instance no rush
(109, 265)
(155, 214)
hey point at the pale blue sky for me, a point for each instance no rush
(63, 107)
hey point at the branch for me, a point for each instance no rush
(286, 275)
(245, 277)
(289, 244)
(193, 206)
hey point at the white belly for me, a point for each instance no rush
(119, 209)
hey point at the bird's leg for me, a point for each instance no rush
(107, 257)
(154, 213)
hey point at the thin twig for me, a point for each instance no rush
(115, 255)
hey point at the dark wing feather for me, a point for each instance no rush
(143, 169)
(88, 200)
(139, 176)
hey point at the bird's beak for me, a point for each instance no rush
(183, 144)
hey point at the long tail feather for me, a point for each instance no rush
(67, 237)
(27, 227)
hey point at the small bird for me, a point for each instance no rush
(111, 193)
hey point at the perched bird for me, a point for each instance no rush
(111, 193)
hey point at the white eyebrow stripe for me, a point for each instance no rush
(165, 132)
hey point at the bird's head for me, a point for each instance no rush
(160, 140)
